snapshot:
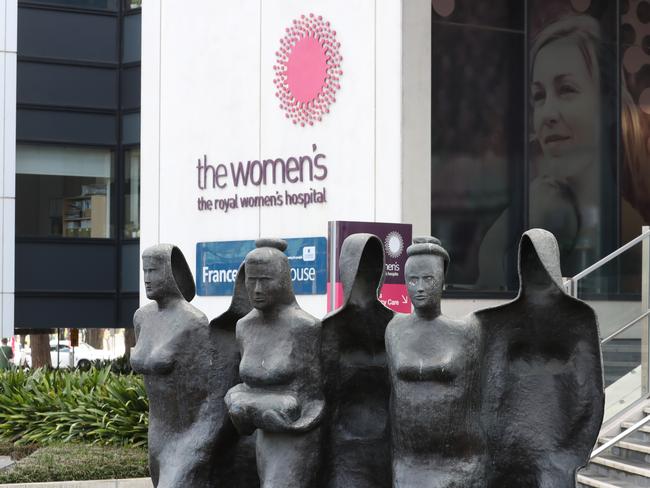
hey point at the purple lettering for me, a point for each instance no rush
(274, 164)
(221, 172)
(321, 167)
(303, 160)
(252, 165)
(241, 173)
(292, 166)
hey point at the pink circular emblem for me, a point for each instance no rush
(308, 70)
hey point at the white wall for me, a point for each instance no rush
(8, 39)
(207, 89)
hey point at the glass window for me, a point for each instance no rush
(63, 191)
(130, 4)
(635, 120)
(572, 125)
(539, 120)
(132, 194)
(94, 4)
(69, 86)
(131, 78)
(60, 126)
(132, 38)
(477, 144)
(64, 35)
(131, 128)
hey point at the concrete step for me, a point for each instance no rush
(630, 448)
(642, 434)
(5, 462)
(591, 480)
(617, 470)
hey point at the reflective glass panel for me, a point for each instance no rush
(132, 194)
(63, 191)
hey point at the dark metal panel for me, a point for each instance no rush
(131, 87)
(73, 267)
(73, 127)
(132, 38)
(49, 312)
(128, 306)
(130, 279)
(66, 35)
(71, 86)
(131, 128)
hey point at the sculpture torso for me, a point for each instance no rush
(165, 353)
(174, 352)
(267, 348)
(280, 394)
(435, 384)
(154, 352)
(279, 369)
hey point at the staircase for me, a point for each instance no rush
(627, 463)
(621, 458)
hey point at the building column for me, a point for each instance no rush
(8, 48)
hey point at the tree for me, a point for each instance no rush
(40, 345)
(129, 342)
(95, 338)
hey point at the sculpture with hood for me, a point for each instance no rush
(357, 446)
(187, 367)
(543, 397)
(236, 465)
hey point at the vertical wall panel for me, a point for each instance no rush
(8, 166)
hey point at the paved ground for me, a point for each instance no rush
(5, 462)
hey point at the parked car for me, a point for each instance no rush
(84, 355)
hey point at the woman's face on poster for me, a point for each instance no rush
(566, 108)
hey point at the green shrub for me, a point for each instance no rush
(120, 365)
(96, 406)
(78, 462)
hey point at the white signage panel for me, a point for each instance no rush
(261, 119)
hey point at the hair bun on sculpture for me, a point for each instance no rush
(279, 244)
(426, 240)
(428, 245)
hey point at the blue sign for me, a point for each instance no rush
(217, 264)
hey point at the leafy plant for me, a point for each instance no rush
(95, 406)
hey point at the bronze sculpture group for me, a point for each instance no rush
(506, 397)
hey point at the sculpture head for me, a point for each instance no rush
(166, 273)
(268, 276)
(425, 271)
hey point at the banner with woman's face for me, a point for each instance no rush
(570, 155)
(572, 125)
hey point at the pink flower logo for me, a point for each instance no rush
(308, 70)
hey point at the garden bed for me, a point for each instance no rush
(78, 462)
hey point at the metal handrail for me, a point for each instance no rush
(611, 256)
(620, 437)
(571, 288)
(625, 327)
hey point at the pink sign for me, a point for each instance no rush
(395, 297)
(396, 237)
(308, 70)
